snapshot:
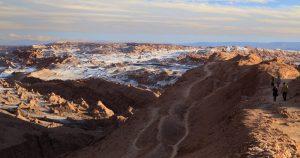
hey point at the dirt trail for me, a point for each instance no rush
(278, 126)
(186, 115)
(153, 116)
(133, 149)
(176, 118)
(286, 117)
(208, 73)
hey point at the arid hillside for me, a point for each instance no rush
(84, 100)
(222, 109)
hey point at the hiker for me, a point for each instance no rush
(273, 82)
(275, 93)
(285, 89)
(278, 81)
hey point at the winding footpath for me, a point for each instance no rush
(186, 116)
(176, 119)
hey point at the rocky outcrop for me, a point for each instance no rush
(277, 68)
(102, 111)
(71, 60)
(193, 57)
(29, 56)
(251, 59)
(221, 56)
(56, 99)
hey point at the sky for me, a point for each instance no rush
(155, 21)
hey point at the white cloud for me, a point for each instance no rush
(250, 1)
(13, 36)
(148, 17)
(4, 24)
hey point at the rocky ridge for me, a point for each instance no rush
(223, 109)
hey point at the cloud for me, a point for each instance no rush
(218, 1)
(250, 1)
(155, 17)
(4, 24)
(229, 10)
(13, 36)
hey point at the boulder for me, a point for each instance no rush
(102, 111)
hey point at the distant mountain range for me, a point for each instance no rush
(272, 45)
(295, 46)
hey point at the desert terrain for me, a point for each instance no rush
(113, 100)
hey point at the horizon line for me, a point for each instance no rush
(174, 43)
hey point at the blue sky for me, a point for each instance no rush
(159, 21)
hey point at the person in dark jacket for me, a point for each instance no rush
(275, 93)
